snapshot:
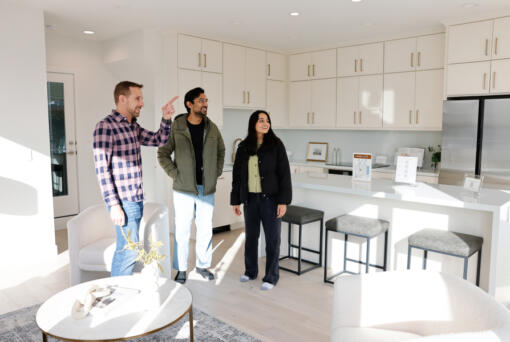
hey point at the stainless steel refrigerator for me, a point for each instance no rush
(476, 140)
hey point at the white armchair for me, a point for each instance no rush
(91, 240)
(415, 306)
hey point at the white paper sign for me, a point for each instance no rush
(362, 167)
(406, 169)
(472, 183)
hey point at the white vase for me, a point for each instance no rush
(150, 286)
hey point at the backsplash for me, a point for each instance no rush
(235, 125)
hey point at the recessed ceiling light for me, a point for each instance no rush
(469, 4)
(88, 32)
(356, 0)
(294, 14)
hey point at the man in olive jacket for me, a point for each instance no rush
(198, 156)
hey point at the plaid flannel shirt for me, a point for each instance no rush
(117, 156)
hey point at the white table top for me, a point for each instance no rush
(127, 318)
(435, 194)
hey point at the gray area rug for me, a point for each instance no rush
(20, 326)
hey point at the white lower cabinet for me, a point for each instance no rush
(212, 85)
(360, 102)
(223, 212)
(312, 103)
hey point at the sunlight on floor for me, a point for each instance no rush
(224, 264)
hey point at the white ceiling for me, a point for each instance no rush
(262, 22)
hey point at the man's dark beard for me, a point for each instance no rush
(199, 113)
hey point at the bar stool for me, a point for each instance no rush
(300, 216)
(445, 242)
(363, 227)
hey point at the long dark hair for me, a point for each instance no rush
(270, 139)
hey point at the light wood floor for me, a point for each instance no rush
(297, 309)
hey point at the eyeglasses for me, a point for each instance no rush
(202, 101)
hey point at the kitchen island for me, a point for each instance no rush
(410, 208)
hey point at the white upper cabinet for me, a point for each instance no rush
(244, 77)
(212, 84)
(312, 103)
(360, 102)
(413, 100)
(411, 54)
(500, 77)
(199, 54)
(360, 60)
(468, 78)
(315, 65)
(277, 103)
(501, 38)
(470, 42)
(276, 67)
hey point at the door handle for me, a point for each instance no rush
(486, 47)
(496, 46)
(199, 59)
(313, 70)
(268, 70)
(313, 117)
(410, 117)
(71, 152)
(354, 117)
(308, 73)
(494, 80)
(419, 58)
(360, 118)
(248, 96)
(361, 64)
(205, 60)
(244, 96)
(355, 65)
(412, 59)
(484, 80)
(307, 118)
(417, 116)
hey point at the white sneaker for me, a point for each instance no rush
(266, 286)
(244, 278)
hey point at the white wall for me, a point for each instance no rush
(94, 85)
(26, 206)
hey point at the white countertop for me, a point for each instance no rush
(388, 169)
(435, 194)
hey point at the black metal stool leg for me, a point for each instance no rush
(345, 251)
(478, 267)
(299, 250)
(288, 236)
(409, 257)
(425, 252)
(326, 256)
(385, 250)
(368, 255)
(464, 275)
(320, 244)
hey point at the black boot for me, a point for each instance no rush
(180, 277)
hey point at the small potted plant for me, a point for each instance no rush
(436, 156)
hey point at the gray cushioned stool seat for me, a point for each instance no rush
(445, 241)
(357, 225)
(301, 215)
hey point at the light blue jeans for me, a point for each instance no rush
(188, 207)
(124, 261)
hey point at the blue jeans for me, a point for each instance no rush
(124, 261)
(188, 207)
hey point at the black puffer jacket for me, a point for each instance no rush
(274, 173)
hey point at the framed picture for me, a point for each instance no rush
(317, 151)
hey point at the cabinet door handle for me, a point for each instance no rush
(308, 73)
(355, 65)
(361, 64)
(354, 117)
(205, 60)
(486, 47)
(248, 96)
(244, 96)
(269, 70)
(484, 80)
(412, 59)
(496, 46)
(313, 70)
(313, 117)
(360, 118)
(199, 59)
(410, 117)
(307, 117)
(417, 116)
(419, 58)
(494, 80)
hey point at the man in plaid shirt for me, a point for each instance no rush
(118, 163)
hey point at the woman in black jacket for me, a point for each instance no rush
(261, 181)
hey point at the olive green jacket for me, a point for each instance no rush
(182, 166)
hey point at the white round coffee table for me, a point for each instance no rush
(126, 317)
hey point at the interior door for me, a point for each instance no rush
(61, 115)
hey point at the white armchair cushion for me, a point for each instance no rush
(98, 255)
